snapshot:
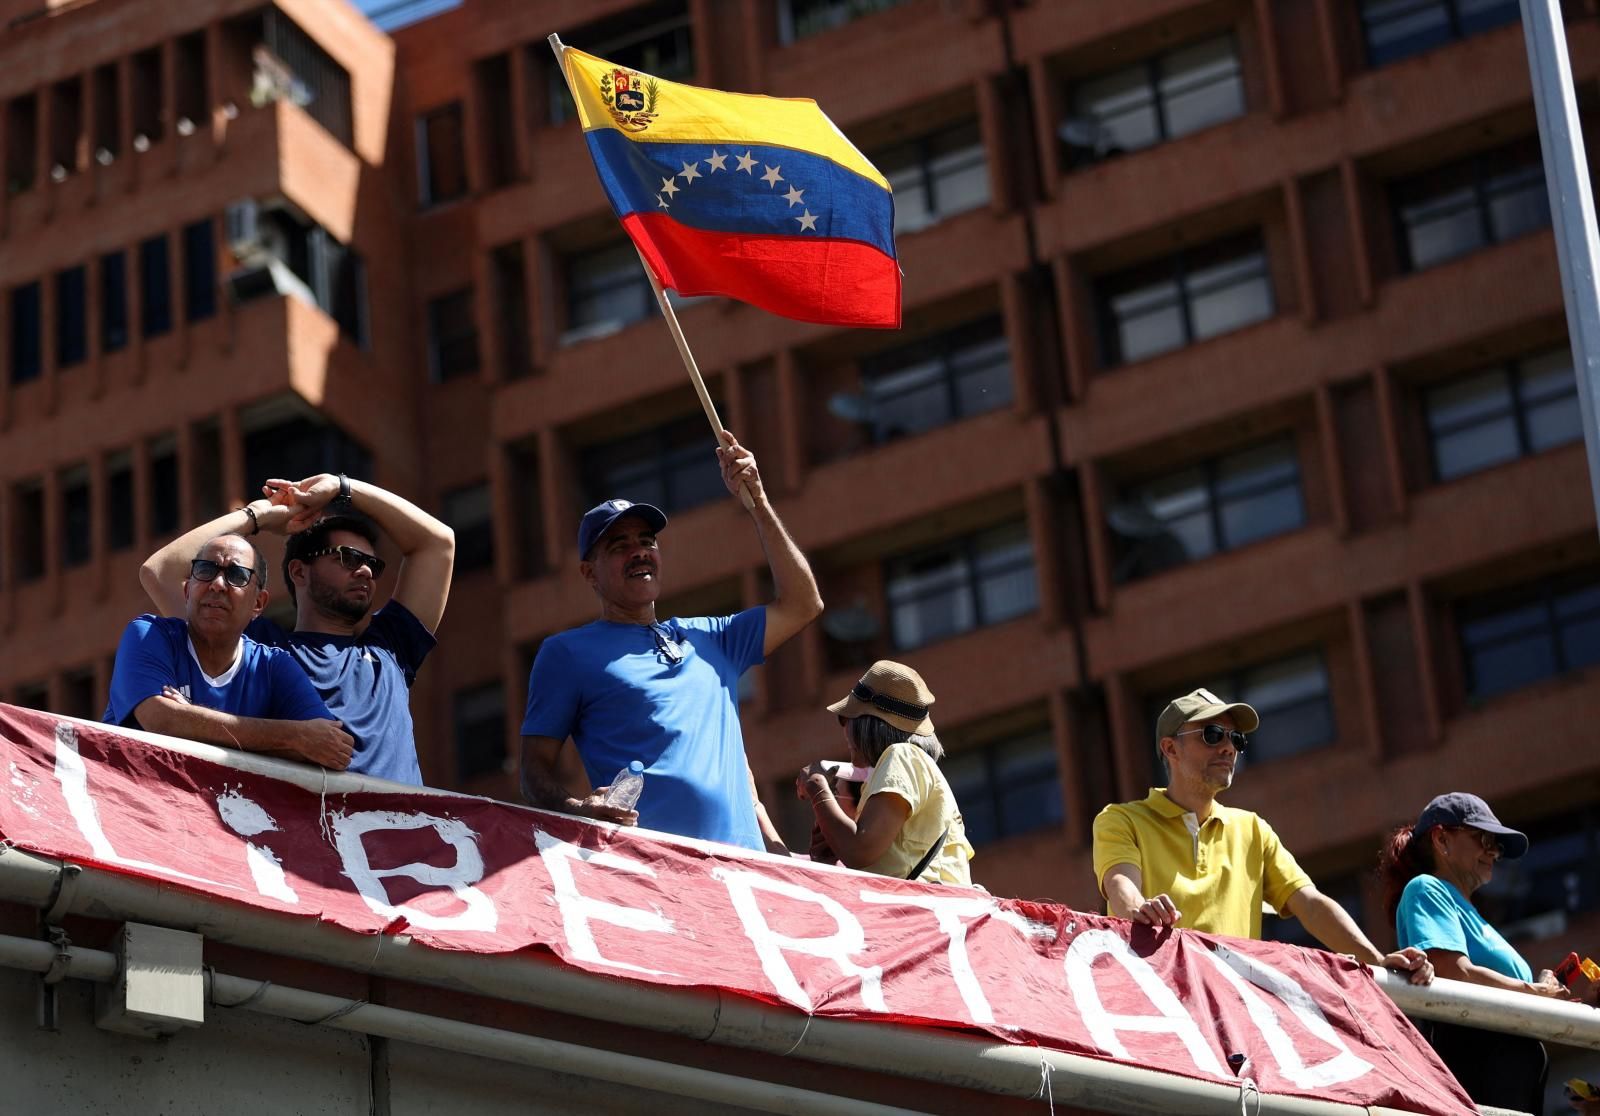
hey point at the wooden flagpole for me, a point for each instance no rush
(667, 311)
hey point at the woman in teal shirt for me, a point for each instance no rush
(1429, 870)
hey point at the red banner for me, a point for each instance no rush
(463, 873)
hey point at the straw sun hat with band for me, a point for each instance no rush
(892, 692)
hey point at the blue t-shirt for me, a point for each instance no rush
(155, 652)
(366, 681)
(621, 697)
(1433, 914)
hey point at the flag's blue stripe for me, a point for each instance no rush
(845, 205)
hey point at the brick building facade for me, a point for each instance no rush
(1234, 353)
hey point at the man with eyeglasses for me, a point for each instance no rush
(632, 686)
(362, 662)
(1180, 857)
(201, 678)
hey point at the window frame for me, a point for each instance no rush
(428, 195)
(664, 453)
(1455, 32)
(1547, 592)
(1516, 375)
(1482, 173)
(996, 790)
(965, 551)
(441, 343)
(461, 724)
(923, 152)
(1178, 270)
(945, 350)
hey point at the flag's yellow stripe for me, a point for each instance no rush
(688, 113)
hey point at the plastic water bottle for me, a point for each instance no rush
(626, 787)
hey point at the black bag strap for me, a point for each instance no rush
(927, 857)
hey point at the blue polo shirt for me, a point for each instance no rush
(366, 681)
(621, 696)
(155, 652)
(1433, 914)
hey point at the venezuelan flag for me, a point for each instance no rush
(757, 198)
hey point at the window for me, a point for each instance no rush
(441, 156)
(1559, 874)
(155, 286)
(606, 290)
(496, 120)
(27, 349)
(936, 176)
(164, 486)
(75, 523)
(673, 466)
(33, 696)
(147, 98)
(113, 301)
(452, 336)
(27, 530)
(1008, 787)
(479, 715)
(300, 446)
(80, 693)
(66, 126)
(930, 383)
(470, 513)
(1176, 301)
(507, 269)
(119, 502)
(22, 143)
(199, 271)
(1292, 695)
(72, 322)
(800, 19)
(1500, 414)
(1517, 637)
(1217, 505)
(107, 112)
(657, 39)
(966, 583)
(306, 75)
(1460, 208)
(189, 86)
(1396, 29)
(1162, 98)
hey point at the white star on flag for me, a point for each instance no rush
(716, 161)
(794, 196)
(772, 177)
(690, 172)
(746, 161)
(807, 221)
(662, 201)
(669, 187)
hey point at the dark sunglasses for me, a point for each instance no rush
(666, 645)
(862, 692)
(1214, 735)
(351, 559)
(204, 569)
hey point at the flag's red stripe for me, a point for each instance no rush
(834, 282)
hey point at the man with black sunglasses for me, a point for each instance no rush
(362, 662)
(634, 686)
(201, 678)
(1180, 857)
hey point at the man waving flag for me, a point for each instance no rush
(757, 198)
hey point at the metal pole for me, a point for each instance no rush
(1566, 176)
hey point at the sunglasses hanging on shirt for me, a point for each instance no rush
(666, 645)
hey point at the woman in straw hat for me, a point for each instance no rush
(907, 824)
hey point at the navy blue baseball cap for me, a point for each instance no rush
(600, 517)
(1460, 808)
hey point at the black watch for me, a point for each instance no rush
(344, 488)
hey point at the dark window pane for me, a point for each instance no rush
(939, 592)
(441, 155)
(673, 466)
(1292, 696)
(935, 176)
(300, 447)
(113, 301)
(799, 19)
(119, 507)
(27, 329)
(75, 527)
(1007, 787)
(1458, 208)
(1396, 29)
(27, 530)
(1170, 303)
(606, 290)
(1496, 415)
(307, 76)
(470, 513)
(479, 718)
(164, 492)
(155, 286)
(199, 271)
(72, 323)
(932, 382)
(1200, 86)
(452, 336)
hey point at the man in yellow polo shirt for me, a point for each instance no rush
(1181, 855)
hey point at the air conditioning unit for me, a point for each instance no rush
(241, 223)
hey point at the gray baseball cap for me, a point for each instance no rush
(1461, 808)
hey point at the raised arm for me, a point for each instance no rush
(163, 573)
(796, 601)
(320, 741)
(427, 546)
